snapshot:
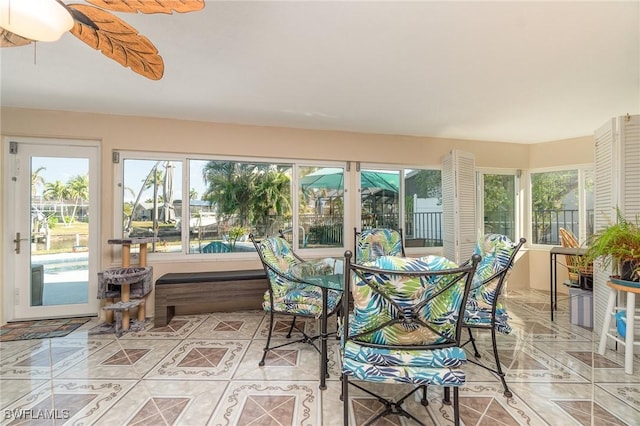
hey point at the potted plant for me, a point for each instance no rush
(617, 245)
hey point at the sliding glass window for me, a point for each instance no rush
(423, 208)
(321, 207)
(561, 199)
(231, 199)
(498, 203)
(150, 190)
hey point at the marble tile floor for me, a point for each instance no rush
(203, 370)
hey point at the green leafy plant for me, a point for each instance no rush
(616, 245)
(235, 233)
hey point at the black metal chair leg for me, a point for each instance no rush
(456, 406)
(293, 324)
(345, 400)
(507, 392)
(266, 348)
(447, 396)
(424, 401)
(473, 343)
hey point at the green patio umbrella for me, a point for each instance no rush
(333, 178)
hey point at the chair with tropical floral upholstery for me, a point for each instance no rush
(404, 328)
(288, 295)
(373, 243)
(485, 309)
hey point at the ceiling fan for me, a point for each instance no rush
(25, 21)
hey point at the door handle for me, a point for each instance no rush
(17, 242)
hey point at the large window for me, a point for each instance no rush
(211, 205)
(561, 199)
(423, 208)
(498, 203)
(410, 199)
(231, 199)
(197, 205)
(150, 190)
(321, 207)
(380, 198)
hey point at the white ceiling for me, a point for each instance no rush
(520, 72)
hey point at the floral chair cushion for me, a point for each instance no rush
(377, 242)
(374, 371)
(438, 366)
(303, 299)
(289, 295)
(496, 251)
(371, 308)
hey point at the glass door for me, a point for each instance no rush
(53, 227)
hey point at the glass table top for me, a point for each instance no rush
(327, 272)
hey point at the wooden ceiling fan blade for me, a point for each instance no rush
(149, 6)
(116, 40)
(9, 39)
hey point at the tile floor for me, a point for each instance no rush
(203, 370)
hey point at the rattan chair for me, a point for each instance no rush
(580, 275)
(404, 328)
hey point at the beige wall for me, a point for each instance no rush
(178, 136)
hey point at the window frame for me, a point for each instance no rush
(357, 201)
(527, 218)
(518, 197)
(184, 158)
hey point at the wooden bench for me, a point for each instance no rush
(220, 291)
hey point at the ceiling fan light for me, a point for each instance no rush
(41, 20)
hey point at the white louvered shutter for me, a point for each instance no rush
(617, 184)
(604, 200)
(458, 205)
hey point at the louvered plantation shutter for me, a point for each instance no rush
(617, 184)
(458, 205)
(604, 200)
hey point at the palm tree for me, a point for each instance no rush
(250, 192)
(37, 180)
(272, 196)
(230, 186)
(56, 191)
(78, 189)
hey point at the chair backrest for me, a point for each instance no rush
(216, 247)
(406, 303)
(373, 243)
(498, 253)
(277, 257)
(574, 264)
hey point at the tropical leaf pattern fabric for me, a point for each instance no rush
(496, 250)
(377, 242)
(372, 296)
(372, 309)
(404, 374)
(289, 295)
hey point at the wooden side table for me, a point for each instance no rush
(610, 332)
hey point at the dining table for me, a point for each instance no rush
(327, 274)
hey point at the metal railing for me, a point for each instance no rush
(546, 224)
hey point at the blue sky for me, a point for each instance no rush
(62, 169)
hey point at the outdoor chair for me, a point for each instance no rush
(404, 328)
(484, 308)
(287, 295)
(580, 275)
(373, 243)
(216, 247)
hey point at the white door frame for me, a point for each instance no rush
(16, 301)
